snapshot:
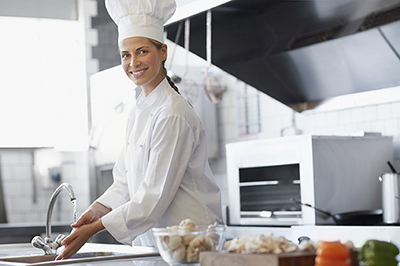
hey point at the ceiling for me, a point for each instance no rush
(301, 52)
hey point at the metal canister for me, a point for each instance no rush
(390, 197)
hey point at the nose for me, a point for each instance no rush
(134, 61)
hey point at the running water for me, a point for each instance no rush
(74, 210)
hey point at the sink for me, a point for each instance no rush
(77, 258)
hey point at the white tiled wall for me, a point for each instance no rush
(27, 191)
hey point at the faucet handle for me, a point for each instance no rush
(57, 242)
(38, 242)
(59, 239)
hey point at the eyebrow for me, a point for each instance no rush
(144, 46)
(137, 49)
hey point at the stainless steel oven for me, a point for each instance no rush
(333, 173)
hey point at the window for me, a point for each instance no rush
(43, 83)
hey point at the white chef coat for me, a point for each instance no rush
(162, 175)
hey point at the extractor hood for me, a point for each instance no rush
(302, 52)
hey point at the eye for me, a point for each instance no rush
(143, 52)
(124, 56)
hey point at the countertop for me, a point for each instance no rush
(150, 256)
(357, 234)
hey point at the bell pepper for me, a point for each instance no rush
(332, 253)
(378, 253)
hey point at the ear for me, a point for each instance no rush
(164, 52)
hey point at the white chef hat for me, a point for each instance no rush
(141, 18)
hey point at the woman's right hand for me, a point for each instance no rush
(92, 214)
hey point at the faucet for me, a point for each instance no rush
(49, 247)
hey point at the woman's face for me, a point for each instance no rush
(142, 62)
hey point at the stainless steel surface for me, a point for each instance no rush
(48, 245)
(88, 254)
(302, 52)
(337, 174)
(390, 197)
(84, 257)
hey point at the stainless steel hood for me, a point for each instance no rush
(302, 52)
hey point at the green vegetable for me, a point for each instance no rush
(378, 253)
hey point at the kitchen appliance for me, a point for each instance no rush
(333, 173)
(390, 197)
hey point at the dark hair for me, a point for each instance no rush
(159, 46)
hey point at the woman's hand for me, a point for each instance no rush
(92, 214)
(87, 226)
(78, 237)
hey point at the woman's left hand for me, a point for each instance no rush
(78, 237)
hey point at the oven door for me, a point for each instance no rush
(265, 195)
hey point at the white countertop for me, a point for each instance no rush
(149, 259)
(357, 234)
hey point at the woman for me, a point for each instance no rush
(162, 175)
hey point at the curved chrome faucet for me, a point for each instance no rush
(47, 244)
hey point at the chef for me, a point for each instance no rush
(162, 175)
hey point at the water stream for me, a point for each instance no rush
(74, 210)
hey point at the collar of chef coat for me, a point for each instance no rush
(145, 102)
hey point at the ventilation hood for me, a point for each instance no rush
(302, 52)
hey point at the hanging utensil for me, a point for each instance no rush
(391, 167)
(211, 85)
(364, 217)
(188, 87)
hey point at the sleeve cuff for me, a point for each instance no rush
(111, 200)
(115, 224)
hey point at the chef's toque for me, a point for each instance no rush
(141, 18)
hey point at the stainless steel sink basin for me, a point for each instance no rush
(79, 257)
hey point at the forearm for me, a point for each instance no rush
(96, 227)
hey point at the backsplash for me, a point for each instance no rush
(27, 184)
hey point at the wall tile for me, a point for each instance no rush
(392, 127)
(370, 113)
(9, 158)
(7, 171)
(395, 108)
(384, 111)
(344, 117)
(356, 115)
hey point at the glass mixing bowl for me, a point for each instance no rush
(183, 247)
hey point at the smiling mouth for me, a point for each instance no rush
(138, 73)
